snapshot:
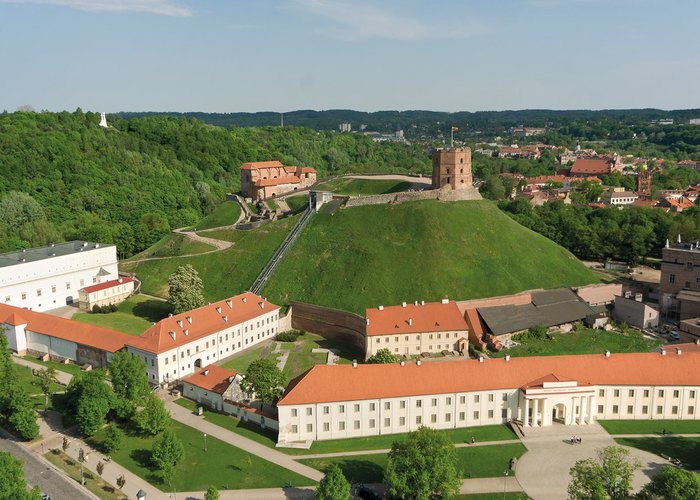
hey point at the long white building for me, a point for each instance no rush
(48, 277)
(343, 401)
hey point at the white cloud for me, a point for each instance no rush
(160, 7)
(357, 20)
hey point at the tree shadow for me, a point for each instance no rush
(151, 310)
(361, 471)
(143, 458)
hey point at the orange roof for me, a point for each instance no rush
(412, 318)
(518, 299)
(290, 179)
(476, 324)
(107, 284)
(590, 166)
(212, 378)
(332, 383)
(645, 202)
(544, 179)
(66, 329)
(192, 325)
(253, 165)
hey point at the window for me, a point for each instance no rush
(309, 427)
(326, 410)
(476, 415)
(616, 393)
(402, 421)
(504, 413)
(616, 409)
(671, 278)
(661, 393)
(38, 292)
(490, 413)
(82, 283)
(490, 398)
(419, 403)
(600, 409)
(24, 296)
(448, 401)
(341, 409)
(402, 405)
(646, 393)
(691, 410)
(631, 393)
(462, 415)
(356, 424)
(659, 410)
(67, 285)
(674, 410)
(676, 394)
(326, 427)
(630, 409)
(166, 360)
(601, 393)
(294, 412)
(476, 398)
(309, 411)
(504, 396)
(53, 288)
(433, 402)
(371, 423)
(462, 400)
(645, 410)
(372, 407)
(295, 429)
(153, 362)
(419, 420)
(433, 419)
(357, 408)
(341, 426)
(689, 265)
(691, 394)
(387, 422)
(387, 405)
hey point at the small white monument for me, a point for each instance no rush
(103, 120)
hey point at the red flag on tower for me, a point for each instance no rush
(454, 129)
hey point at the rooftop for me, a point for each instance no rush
(332, 383)
(591, 166)
(254, 165)
(415, 318)
(212, 378)
(47, 252)
(107, 284)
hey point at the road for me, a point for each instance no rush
(39, 473)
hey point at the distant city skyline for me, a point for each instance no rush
(285, 55)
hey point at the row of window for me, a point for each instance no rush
(39, 291)
(645, 393)
(645, 410)
(388, 338)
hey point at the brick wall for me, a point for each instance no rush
(431, 194)
(332, 324)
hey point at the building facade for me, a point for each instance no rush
(679, 288)
(265, 179)
(618, 197)
(452, 167)
(48, 277)
(212, 385)
(105, 294)
(636, 313)
(342, 401)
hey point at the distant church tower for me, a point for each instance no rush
(103, 120)
(452, 167)
(644, 182)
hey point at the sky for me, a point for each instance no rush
(368, 55)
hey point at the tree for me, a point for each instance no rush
(333, 486)
(211, 494)
(90, 398)
(91, 414)
(129, 382)
(383, 356)
(264, 379)
(12, 482)
(154, 417)
(113, 438)
(23, 421)
(609, 477)
(672, 483)
(167, 452)
(185, 289)
(421, 466)
(45, 380)
(17, 208)
(100, 467)
(121, 481)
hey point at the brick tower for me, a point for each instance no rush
(452, 167)
(644, 182)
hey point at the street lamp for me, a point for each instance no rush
(205, 441)
(505, 479)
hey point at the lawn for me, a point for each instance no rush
(223, 273)
(386, 254)
(25, 378)
(365, 187)
(480, 434)
(225, 214)
(302, 359)
(71, 368)
(135, 315)
(93, 482)
(479, 461)
(685, 449)
(651, 426)
(241, 362)
(221, 465)
(173, 245)
(587, 341)
(267, 437)
(297, 203)
(272, 204)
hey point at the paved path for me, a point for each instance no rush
(62, 377)
(271, 455)
(543, 471)
(66, 312)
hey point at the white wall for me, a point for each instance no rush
(46, 284)
(415, 343)
(51, 345)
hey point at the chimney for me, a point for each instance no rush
(354, 363)
(418, 362)
(225, 318)
(445, 301)
(415, 303)
(679, 351)
(403, 363)
(403, 304)
(206, 372)
(170, 315)
(381, 308)
(422, 302)
(697, 341)
(189, 319)
(606, 353)
(667, 244)
(179, 323)
(507, 357)
(97, 245)
(368, 321)
(663, 351)
(229, 303)
(481, 359)
(679, 238)
(410, 321)
(638, 297)
(218, 309)
(173, 335)
(120, 280)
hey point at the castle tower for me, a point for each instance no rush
(452, 167)
(644, 182)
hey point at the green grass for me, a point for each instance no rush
(385, 254)
(480, 434)
(223, 273)
(363, 186)
(135, 315)
(267, 437)
(222, 465)
(479, 461)
(297, 203)
(587, 341)
(25, 378)
(302, 359)
(493, 496)
(651, 426)
(687, 450)
(241, 362)
(172, 245)
(272, 204)
(225, 214)
(93, 481)
(71, 368)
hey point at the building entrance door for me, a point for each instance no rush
(559, 413)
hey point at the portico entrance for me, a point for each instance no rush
(555, 399)
(559, 413)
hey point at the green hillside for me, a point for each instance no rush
(386, 254)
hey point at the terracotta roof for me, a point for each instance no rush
(332, 383)
(429, 317)
(518, 299)
(591, 166)
(544, 179)
(14, 319)
(192, 325)
(107, 284)
(476, 325)
(253, 165)
(211, 378)
(66, 329)
(290, 179)
(645, 202)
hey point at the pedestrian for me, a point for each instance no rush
(473, 440)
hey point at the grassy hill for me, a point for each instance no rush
(386, 254)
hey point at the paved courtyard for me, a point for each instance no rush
(543, 471)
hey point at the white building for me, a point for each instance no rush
(212, 385)
(342, 401)
(48, 277)
(179, 345)
(105, 294)
(635, 313)
(619, 198)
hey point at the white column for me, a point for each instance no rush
(536, 403)
(526, 418)
(545, 412)
(591, 413)
(571, 411)
(584, 410)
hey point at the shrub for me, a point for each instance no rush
(96, 309)
(113, 308)
(289, 336)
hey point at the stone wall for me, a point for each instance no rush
(331, 324)
(429, 194)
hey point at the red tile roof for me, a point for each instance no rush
(107, 284)
(202, 322)
(290, 179)
(66, 329)
(212, 378)
(544, 179)
(254, 165)
(332, 383)
(591, 166)
(430, 317)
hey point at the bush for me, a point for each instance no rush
(289, 336)
(96, 309)
(113, 308)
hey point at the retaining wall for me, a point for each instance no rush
(428, 194)
(332, 324)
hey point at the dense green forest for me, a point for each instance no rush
(64, 177)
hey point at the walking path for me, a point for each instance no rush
(62, 377)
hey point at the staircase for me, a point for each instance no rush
(281, 251)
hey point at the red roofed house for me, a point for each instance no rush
(343, 401)
(107, 293)
(411, 329)
(212, 385)
(586, 167)
(265, 179)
